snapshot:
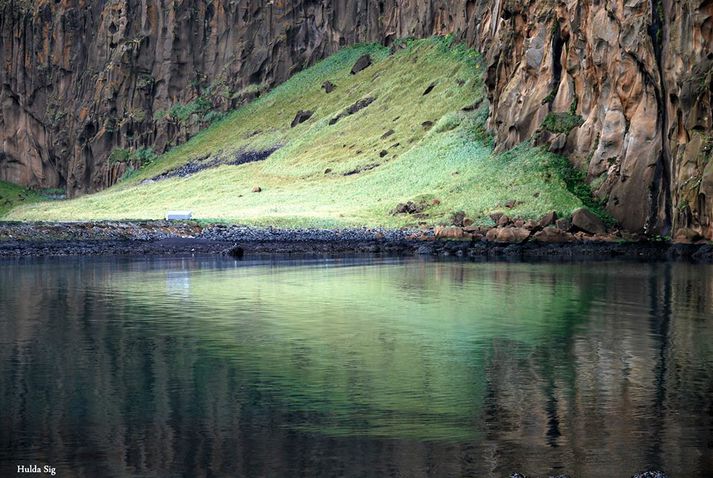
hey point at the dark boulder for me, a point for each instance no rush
(451, 232)
(552, 234)
(548, 219)
(686, 234)
(457, 218)
(496, 216)
(472, 106)
(236, 252)
(409, 207)
(564, 224)
(424, 251)
(328, 86)
(361, 169)
(585, 220)
(358, 106)
(512, 235)
(429, 89)
(362, 63)
(301, 117)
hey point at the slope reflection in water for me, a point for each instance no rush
(347, 368)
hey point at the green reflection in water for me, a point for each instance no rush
(395, 351)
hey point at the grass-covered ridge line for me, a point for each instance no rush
(404, 146)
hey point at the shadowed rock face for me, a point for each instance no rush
(623, 88)
(636, 75)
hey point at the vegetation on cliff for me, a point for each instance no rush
(350, 147)
(12, 195)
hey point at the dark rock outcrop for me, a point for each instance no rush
(301, 117)
(409, 207)
(361, 64)
(585, 220)
(458, 218)
(328, 86)
(356, 107)
(553, 235)
(451, 232)
(564, 224)
(511, 235)
(686, 234)
(235, 251)
(548, 219)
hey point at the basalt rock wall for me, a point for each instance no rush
(621, 87)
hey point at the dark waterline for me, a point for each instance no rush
(355, 367)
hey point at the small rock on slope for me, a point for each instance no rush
(361, 64)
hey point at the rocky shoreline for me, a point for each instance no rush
(163, 238)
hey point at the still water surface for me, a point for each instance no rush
(210, 367)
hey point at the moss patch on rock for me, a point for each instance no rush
(561, 122)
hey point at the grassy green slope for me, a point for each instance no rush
(12, 195)
(304, 183)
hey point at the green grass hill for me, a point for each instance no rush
(12, 196)
(410, 127)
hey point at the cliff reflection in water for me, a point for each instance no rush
(346, 368)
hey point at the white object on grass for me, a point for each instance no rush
(179, 215)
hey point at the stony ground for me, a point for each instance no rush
(507, 241)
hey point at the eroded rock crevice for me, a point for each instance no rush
(660, 204)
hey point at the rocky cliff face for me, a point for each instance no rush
(624, 88)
